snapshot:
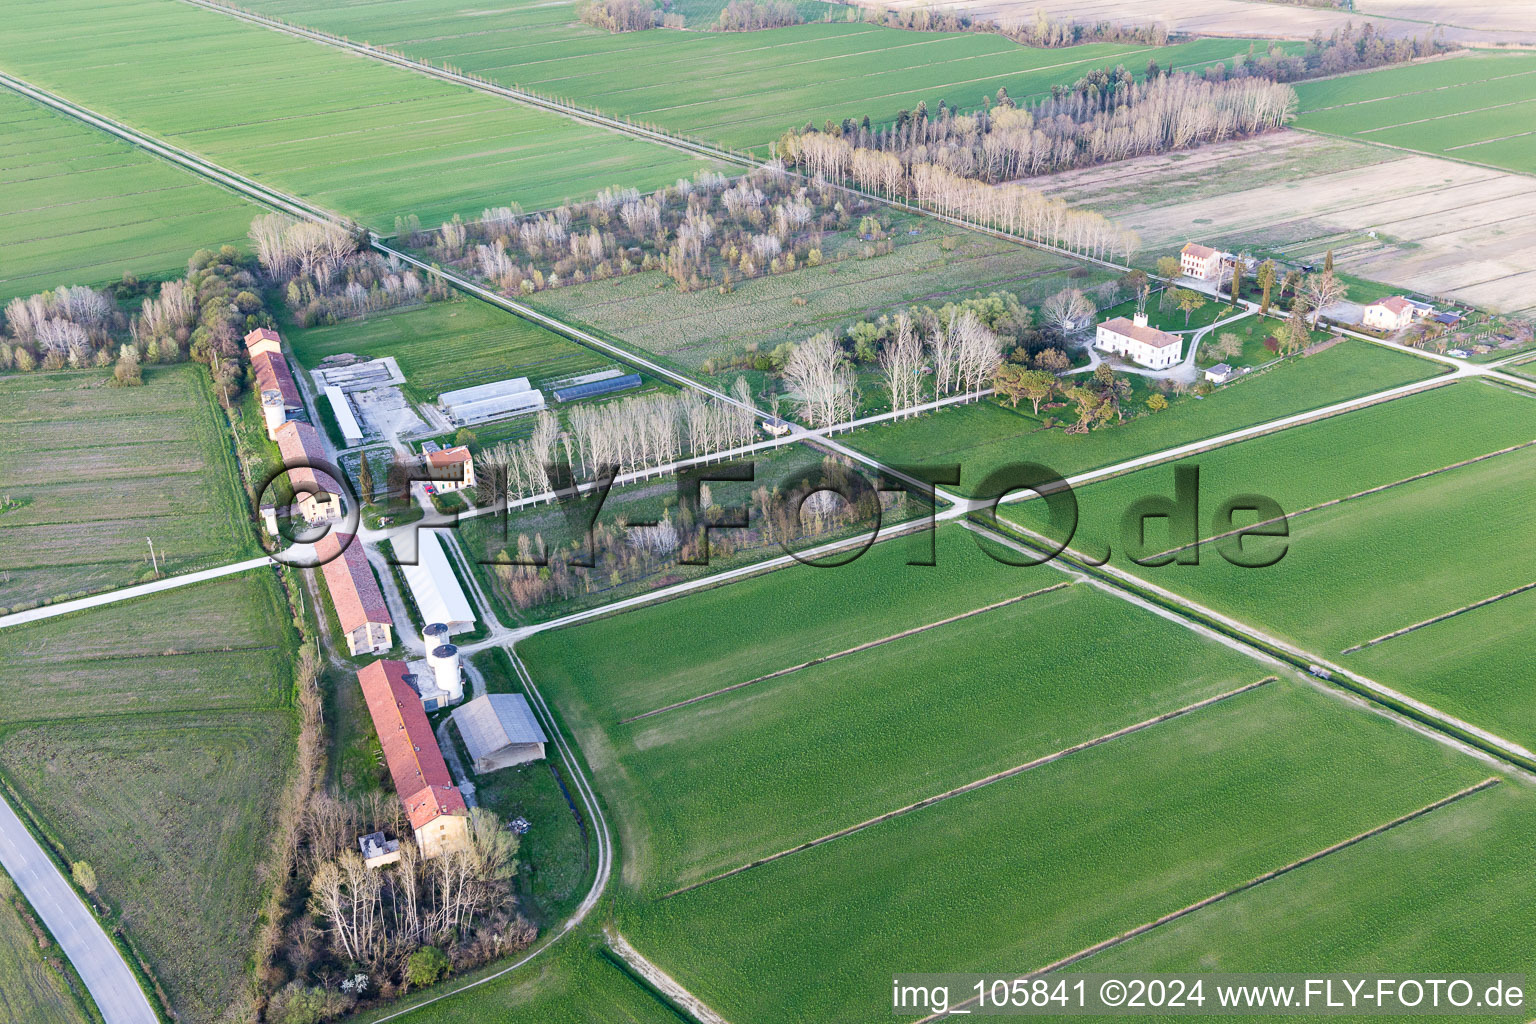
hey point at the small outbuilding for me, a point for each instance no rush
(1220, 373)
(500, 731)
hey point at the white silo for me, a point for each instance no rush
(433, 636)
(444, 661)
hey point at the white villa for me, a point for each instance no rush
(1141, 344)
(1200, 262)
(1395, 313)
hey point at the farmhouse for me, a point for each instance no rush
(360, 608)
(435, 588)
(1138, 342)
(432, 802)
(1395, 313)
(316, 494)
(1200, 262)
(500, 731)
(455, 467)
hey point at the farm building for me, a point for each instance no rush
(588, 385)
(1200, 262)
(500, 731)
(351, 431)
(316, 493)
(774, 426)
(378, 851)
(1138, 342)
(454, 464)
(355, 594)
(485, 402)
(280, 398)
(1393, 314)
(435, 588)
(439, 678)
(432, 802)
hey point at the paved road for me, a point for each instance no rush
(72, 923)
(127, 593)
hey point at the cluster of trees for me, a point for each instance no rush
(1010, 207)
(72, 326)
(1092, 124)
(1346, 49)
(327, 274)
(751, 15)
(620, 15)
(374, 933)
(543, 573)
(1041, 30)
(707, 230)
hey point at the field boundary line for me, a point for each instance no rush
(663, 982)
(1351, 497)
(1268, 876)
(1416, 92)
(868, 645)
(1440, 618)
(988, 780)
(1441, 155)
(1485, 142)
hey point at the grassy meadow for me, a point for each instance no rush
(95, 470)
(78, 206)
(741, 89)
(1046, 863)
(349, 134)
(443, 346)
(1467, 107)
(33, 985)
(984, 435)
(152, 741)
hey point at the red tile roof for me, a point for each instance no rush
(415, 761)
(1198, 251)
(1396, 304)
(300, 447)
(262, 334)
(354, 591)
(1146, 335)
(449, 456)
(272, 374)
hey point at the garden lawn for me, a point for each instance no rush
(350, 134)
(739, 776)
(78, 206)
(1046, 863)
(174, 813)
(32, 989)
(444, 346)
(1467, 107)
(741, 89)
(1449, 888)
(97, 469)
(986, 435)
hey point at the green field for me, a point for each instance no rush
(78, 206)
(1398, 903)
(742, 89)
(97, 469)
(1044, 864)
(32, 989)
(985, 435)
(720, 783)
(1379, 562)
(1471, 108)
(352, 135)
(153, 741)
(687, 329)
(443, 346)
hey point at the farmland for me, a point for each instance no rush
(1464, 108)
(941, 264)
(1396, 903)
(1295, 196)
(1046, 863)
(349, 134)
(447, 345)
(985, 435)
(31, 989)
(78, 206)
(153, 736)
(1394, 558)
(95, 470)
(741, 89)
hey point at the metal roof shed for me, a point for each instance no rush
(500, 731)
(435, 588)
